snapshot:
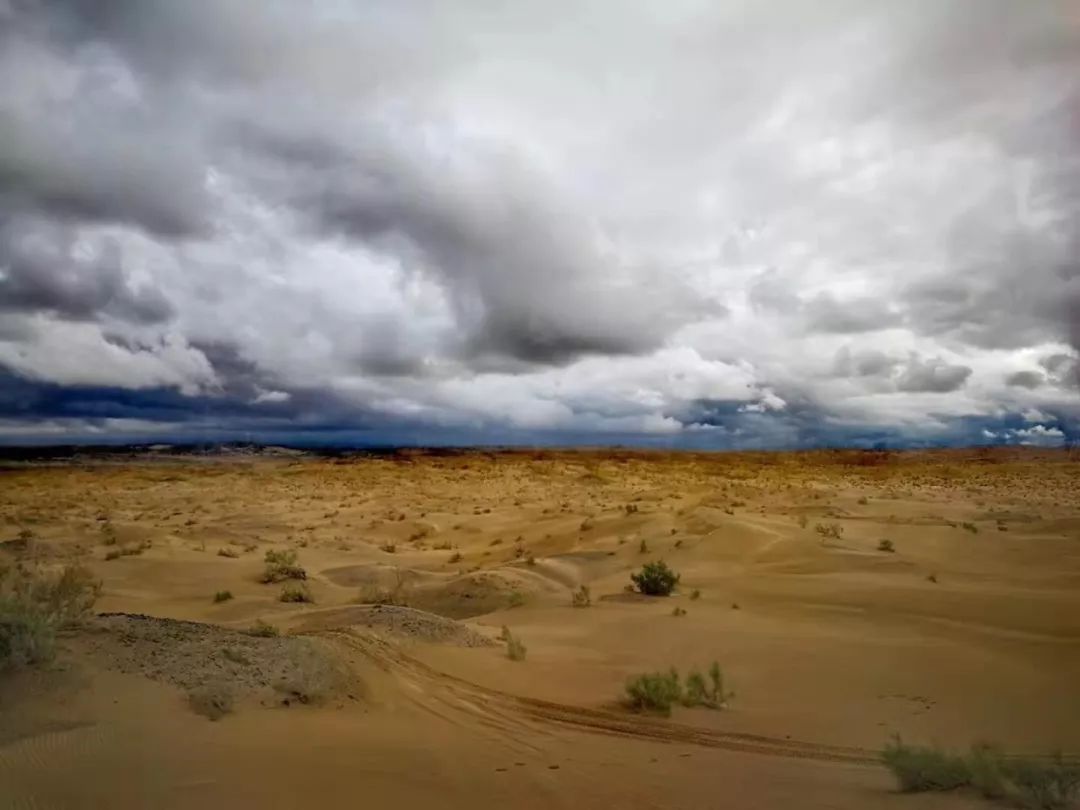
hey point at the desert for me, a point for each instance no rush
(285, 629)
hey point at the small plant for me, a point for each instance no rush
(932, 578)
(643, 547)
(655, 579)
(456, 557)
(516, 599)
(530, 559)
(654, 692)
(281, 566)
(1053, 785)
(34, 606)
(504, 633)
(293, 592)
(885, 544)
(232, 554)
(114, 554)
(388, 547)
(581, 597)
(222, 596)
(515, 649)
(863, 501)
(678, 611)
(803, 520)
(829, 531)
(719, 696)
(918, 768)
(263, 629)
(695, 595)
(970, 527)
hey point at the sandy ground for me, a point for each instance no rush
(969, 630)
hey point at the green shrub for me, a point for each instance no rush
(1053, 785)
(281, 566)
(222, 596)
(987, 769)
(654, 691)
(696, 693)
(295, 593)
(655, 579)
(34, 605)
(919, 768)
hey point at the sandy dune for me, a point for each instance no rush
(968, 630)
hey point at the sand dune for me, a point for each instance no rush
(968, 629)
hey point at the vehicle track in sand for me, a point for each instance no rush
(506, 713)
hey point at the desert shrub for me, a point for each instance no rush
(213, 701)
(829, 531)
(263, 629)
(885, 544)
(456, 557)
(695, 594)
(280, 566)
(232, 554)
(34, 605)
(516, 599)
(654, 691)
(223, 596)
(987, 769)
(515, 649)
(920, 768)
(292, 592)
(504, 633)
(696, 693)
(581, 597)
(678, 611)
(1052, 785)
(655, 579)
(643, 547)
(388, 547)
(719, 696)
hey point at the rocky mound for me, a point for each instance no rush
(404, 621)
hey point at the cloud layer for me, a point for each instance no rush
(693, 223)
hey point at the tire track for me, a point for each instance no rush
(507, 711)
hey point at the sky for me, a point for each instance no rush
(696, 223)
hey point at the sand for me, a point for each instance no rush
(392, 686)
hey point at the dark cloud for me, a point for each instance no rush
(932, 375)
(723, 224)
(1025, 379)
(41, 270)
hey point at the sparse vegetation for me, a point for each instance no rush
(282, 566)
(659, 691)
(655, 579)
(263, 629)
(829, 531)
(695, 594)
(223, 596)
(294, 592)
(232, 554)
(678, 611)
(643, 547)
(581, 597)
(515, 649)
(456, 557)
(886, 545)
(1040, 784)
(516, 599)
(35, 605)
(388, 547)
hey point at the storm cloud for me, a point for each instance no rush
(695, 223)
